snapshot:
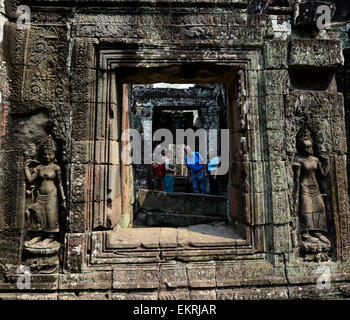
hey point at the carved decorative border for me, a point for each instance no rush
(100, 253)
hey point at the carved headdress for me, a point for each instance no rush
(304, 134)
(48, 144)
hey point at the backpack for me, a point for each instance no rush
(159, 169)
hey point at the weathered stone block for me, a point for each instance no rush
(308, 102)
(77, 217)
(10, 246)
(38, 282)
(84, 53)
(75, 252)
(274, 112)
(180, 27)
(276, 52)
(262, 293)
(46, 74)
(258, 201)
(237, 116)
(29, 296)
(136, 278)
(312, 292)
(280, 208)
(281, 239)
(317, 53)
(203, 294)
(83, 85)
(229, 274)
(135, 295)
(337, 127)
(79, 177)
(275, 150)
(278, 173)
(255, 87)
(82, 152)
(177, 294)
(168, 238)
(84, 295)
(91, 281)
(342, 241)
(81, 123)
(252, 118)
(276, 82)
(336, 105)
(309, 273)
(339, 195)
(201, 275)
(173, 276)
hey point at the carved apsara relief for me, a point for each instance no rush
(314, 134)
(309, 201)
(45, 200)
(42, 210)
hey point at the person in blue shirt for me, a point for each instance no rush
(196, 171)
(213, 164)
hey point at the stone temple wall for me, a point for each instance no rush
(65, 91)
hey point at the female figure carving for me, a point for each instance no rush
(311, 207)
(42, 212)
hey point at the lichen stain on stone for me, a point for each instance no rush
(4, 120)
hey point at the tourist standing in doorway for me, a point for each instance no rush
(196, 171)
(213, 164)
(158, 169)
(168, 181)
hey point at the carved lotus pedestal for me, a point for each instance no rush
(41, 259)
(315, 251)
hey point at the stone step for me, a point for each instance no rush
(159, 219)
(181, 203)
(181, 184)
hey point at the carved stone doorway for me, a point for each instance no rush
(113, 194)
(125, 202)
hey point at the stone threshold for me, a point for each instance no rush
(162, 245)
(217, 235)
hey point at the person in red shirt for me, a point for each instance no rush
(158, 169)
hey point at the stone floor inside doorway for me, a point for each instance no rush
(203, 235)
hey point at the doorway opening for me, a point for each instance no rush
(198, 99)
(180, 108)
